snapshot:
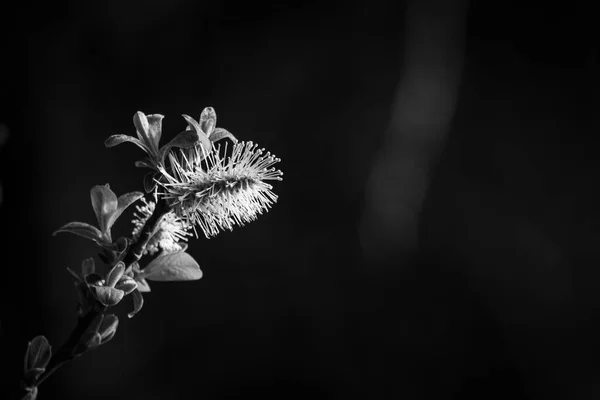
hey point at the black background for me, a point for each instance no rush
(500, 300)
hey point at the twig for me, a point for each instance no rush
(66, 352)
(137, 249)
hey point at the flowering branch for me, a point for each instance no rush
(195, 184)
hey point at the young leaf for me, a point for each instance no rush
(202, 137)
(173, 267)
(105, 203)
(115, 140)
(87, 267)
(142, 285)
(30, 376)
(140, 121)
(89, 340)
(127, 285)
(220, 133)
(82, 229)
(149, 182)
(155, 129)
(108, 328)
(93, 279)
(208, 120)
(121, 244)
(115, 274)
(38, 354)
(146, 162)
(123, 202)
(31, 393)
(108, 296)
(138, 303)
(184, 140)
(96, 322)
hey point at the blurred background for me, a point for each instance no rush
(437, 229)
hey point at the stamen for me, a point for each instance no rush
(218, 192)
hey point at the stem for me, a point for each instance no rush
(66, 351)
(137, 249)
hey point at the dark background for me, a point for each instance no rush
(491, 292)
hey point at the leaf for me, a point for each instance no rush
(89, 340)
(105, 203)
(87, 267)
(93, 340)
(121, 244)
(108, 328)
(140, 121)
(144, 163)
(31, 393)
(202, 137)
(154, 130)
(123, 202)
(108, 296)
(149, 182)
(208, 120)
(115, 274)
(142, 285)
(178, 266)
(138, 303)
(184, 140)
(82, 229)
(96, 322)
(32, 375)
(94, 279)
(220, 133)
(127, 285)
(115, 140)
(38, 354)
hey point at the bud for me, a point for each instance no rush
(208, 120)
(115, 274)
(108, 328)
(138, 302)
(37, 356)
(127, 285)
(89, 340)
(121, 245)
(107, 295)
(94, 279)
(87, 267)
(32, 393)
(96, 322)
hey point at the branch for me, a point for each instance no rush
(136, 250)
(66, 351)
